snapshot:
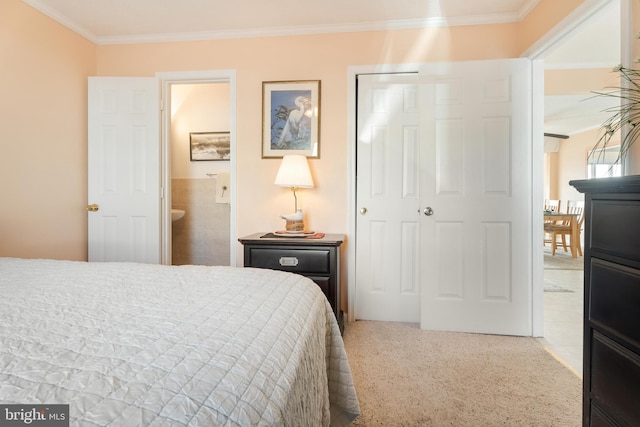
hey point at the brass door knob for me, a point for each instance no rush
(93, 207)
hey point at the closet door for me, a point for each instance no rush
(387, 245)
(476, 180)
(444, 197)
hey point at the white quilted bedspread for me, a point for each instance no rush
(134, 344)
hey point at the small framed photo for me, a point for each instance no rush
(291, 118)
(210, 145)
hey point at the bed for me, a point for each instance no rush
(152, 345)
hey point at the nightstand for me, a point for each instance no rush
(317, 259)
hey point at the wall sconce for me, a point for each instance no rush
(294, 173)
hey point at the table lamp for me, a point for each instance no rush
(294, 173)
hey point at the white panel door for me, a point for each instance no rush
(476, 178)
(124, 169)
(453, 143)
(387, 254)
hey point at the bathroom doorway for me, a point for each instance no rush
(199, 194)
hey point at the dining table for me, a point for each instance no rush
(561, 217)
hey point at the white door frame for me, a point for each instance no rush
(536, 53)
(556, 36)
(166, 80)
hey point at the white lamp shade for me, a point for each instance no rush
(294, 172)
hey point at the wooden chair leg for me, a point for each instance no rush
(553, 244)
(564, 242)
(579, 246)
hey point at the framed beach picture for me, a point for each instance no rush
(210, 145)
(291, 118)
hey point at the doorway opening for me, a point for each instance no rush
(200, 116)
(577, 58)
(198, 187)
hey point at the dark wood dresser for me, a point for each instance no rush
(317, 259)
(611, 373)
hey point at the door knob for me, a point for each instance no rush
(363, 211)
(93, 207)
(428, 211)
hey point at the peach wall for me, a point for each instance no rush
(44, 73)
(203, 107)
(43, 110)
(571, 81)
(543, 17)
(551, 176)
(572, 163)
(311, 57)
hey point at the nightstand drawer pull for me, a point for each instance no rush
(288, 261)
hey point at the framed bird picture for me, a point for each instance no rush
(291, 118)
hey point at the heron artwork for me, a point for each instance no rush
(291, 125)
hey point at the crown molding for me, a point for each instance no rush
(407, 24)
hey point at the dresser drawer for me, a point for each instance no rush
(295, 260)
(615, 379)
(621, 239)
(615, 298)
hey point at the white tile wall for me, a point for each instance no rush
(201, 237)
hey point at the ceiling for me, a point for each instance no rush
(595, 44)
(126, 21)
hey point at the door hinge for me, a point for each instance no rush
(161, 193)
(161, 104)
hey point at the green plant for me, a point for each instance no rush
(626, 115)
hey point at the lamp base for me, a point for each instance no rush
(295, 225)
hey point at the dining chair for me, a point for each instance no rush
(563, 229)
(552, 205)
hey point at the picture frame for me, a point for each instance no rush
(290, 118)
(208, 146)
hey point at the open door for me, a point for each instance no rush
(124, 192)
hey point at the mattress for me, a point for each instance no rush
(138, 344)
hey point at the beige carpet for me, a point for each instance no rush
(408, 377)
(561, 260)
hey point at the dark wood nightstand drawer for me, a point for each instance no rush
(294, 260)
(318, 259)
(325, 285)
